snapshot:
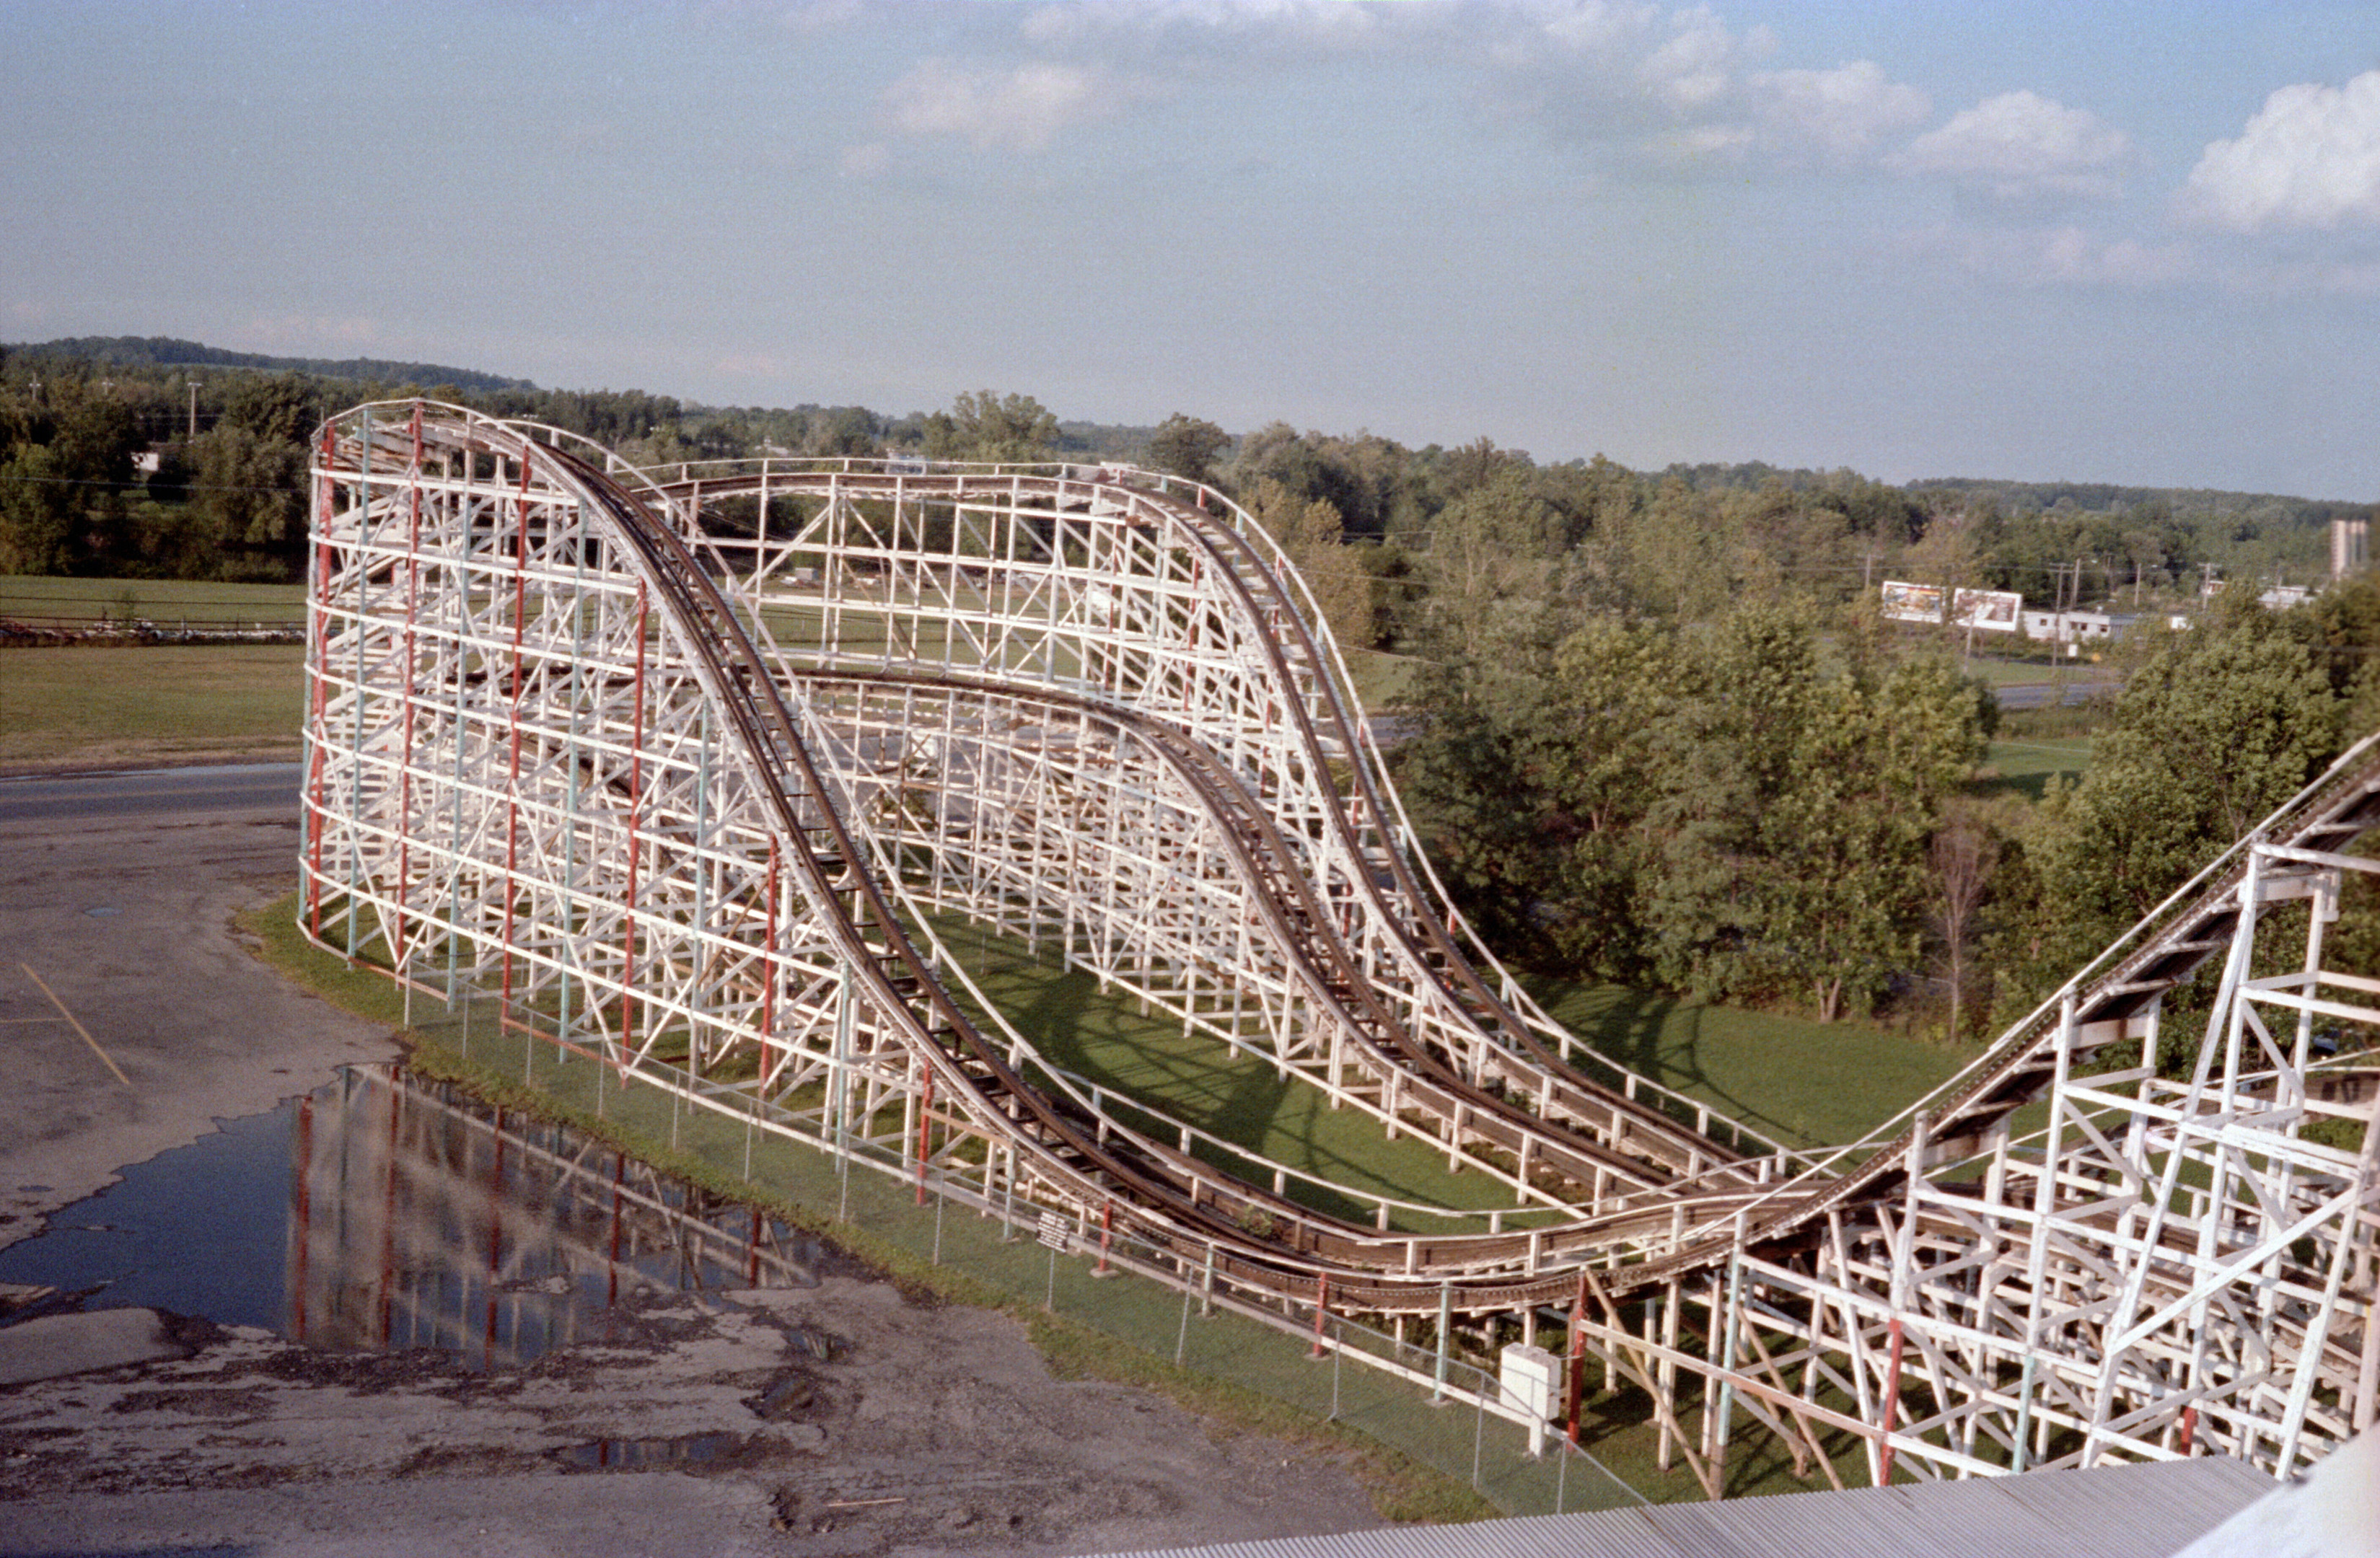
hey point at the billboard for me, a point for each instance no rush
(1911, 603)
(1986, 610)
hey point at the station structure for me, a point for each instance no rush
(717, 774)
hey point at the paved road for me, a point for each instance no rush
(2043, 694)
(155, 793)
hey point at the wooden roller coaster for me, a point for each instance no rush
(696, 768)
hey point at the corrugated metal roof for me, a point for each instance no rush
(2149, 1511)
(2332, 1512)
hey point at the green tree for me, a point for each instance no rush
(251, 494)
(1494, 572)
(1536, 781)
(286, 406)
(1727, 757)
(1964, 861)
(1614, 685)
(1311, 535)
(1186, 446)
(2217, 727)
(37, 513)
(1672, 557)
(1846, 839)
(984, 424)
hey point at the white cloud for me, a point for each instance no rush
(1662, 83)
(1679, 87)
(864, 161)
(2065, 255)
(1018, 108)
(1196, 24)
(2310, 159)
(1842, 111)
(1695, 66)
(1598, 27)
(2019, 144)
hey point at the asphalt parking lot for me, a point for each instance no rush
(132, 1016)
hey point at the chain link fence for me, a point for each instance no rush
(1441, 1409)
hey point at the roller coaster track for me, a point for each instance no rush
(1501, 1045)
(1191, 1202)
(694, 797)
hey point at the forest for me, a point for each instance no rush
(1660, 737)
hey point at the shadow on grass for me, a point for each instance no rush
(1661, 1037)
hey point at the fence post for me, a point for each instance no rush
(1181, 1335)
(1445, 1339)
(1478, 1432)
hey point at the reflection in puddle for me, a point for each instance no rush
(385, 1212)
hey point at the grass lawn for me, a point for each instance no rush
(1805, 1083)
(163, 601)
(1808, 1084)
(2008, 674)
(2025, 766)
(172, 703)
(1382, 679)
(1202, 1084)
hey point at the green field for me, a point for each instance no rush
(125, 706)
(1200, 1082)
(1382, 679)
(1808, 1084)
(163, 601)
(2026, 765)
(1805, 1083)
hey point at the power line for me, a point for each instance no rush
(142, 485)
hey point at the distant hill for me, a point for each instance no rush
(164, 351)
(2104, 497)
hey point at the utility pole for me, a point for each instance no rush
(194, 409)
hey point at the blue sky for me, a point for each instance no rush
(2114, 241)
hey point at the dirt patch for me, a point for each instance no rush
(194, 1403)
(852, 1420)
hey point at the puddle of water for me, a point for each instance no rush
(383, 1214)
